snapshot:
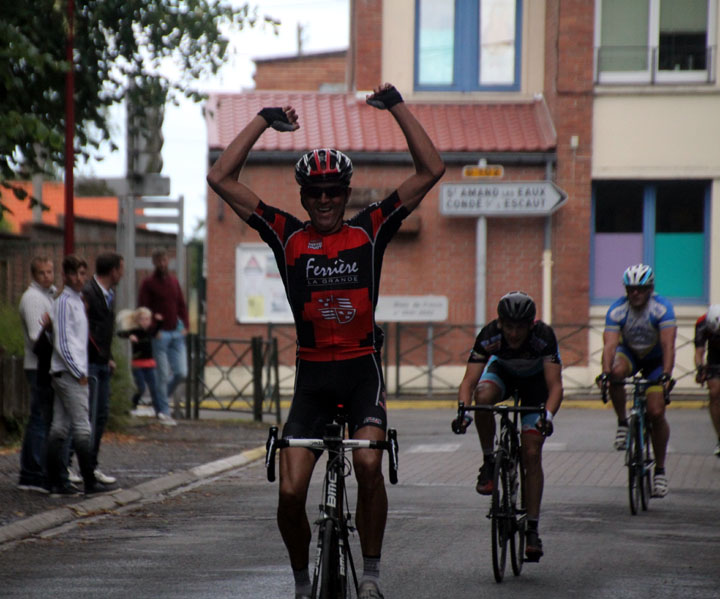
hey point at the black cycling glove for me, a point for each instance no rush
(386, 98)
(276, 118)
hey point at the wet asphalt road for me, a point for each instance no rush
(218, 539)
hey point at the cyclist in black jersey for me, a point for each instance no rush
(515, 352)
(331, 272)
(707, 334)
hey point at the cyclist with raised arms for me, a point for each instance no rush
(707, 334)
(639, 336)
(512, 352)
(331, 272)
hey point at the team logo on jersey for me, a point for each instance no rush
(339, 309)
(319, 272)
(315, 244)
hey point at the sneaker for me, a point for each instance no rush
(660, 485)
(717, 450)
(484, 484)
(68, 490)
(105, 479)
(34, 487)
(74, 477)
(166, 420)
(533, 546)
(100, 488)
(621, 434)
(369, 590)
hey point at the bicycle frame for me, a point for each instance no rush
(330, 576)
(639, 458)
(508, 521)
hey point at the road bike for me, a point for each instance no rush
(639, 457)
(508, 517)
(334, 575)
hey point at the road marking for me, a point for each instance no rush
(434, 448)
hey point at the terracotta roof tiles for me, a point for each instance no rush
(346, 122)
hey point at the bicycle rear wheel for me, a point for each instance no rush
(328, 583)
(634, 460)
(499, 519)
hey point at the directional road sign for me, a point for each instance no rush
(508, 198)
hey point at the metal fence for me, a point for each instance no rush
(233, 375)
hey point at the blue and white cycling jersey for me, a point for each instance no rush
(640, 329)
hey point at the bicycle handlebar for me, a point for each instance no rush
(495, 409)
(635, 381)
(273, 444)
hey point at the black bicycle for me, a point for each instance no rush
(639, 457)
(507, 516)
(331, 579)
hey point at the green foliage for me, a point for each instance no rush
(121, 49)
(11, 332)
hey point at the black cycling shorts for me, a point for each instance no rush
(532, 388)
(356, 384)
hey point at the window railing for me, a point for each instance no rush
(652, 65)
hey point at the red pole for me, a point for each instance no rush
(69, 133)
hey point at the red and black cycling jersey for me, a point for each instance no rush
(540, 346)
(332, 281)
(704, 335)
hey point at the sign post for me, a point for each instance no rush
(501, 199)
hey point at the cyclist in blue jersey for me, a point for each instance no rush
(639, 336)
(331, 272)
(515, 352)
(707, 334)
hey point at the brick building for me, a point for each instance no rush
(537, 88)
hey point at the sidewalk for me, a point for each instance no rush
(148, 460)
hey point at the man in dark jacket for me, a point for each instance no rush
(99, 296)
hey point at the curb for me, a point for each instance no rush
(55, 517)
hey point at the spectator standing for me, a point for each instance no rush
(161, 293)
(69, 371)
(140, 327)
(99, 295)
(35, 307)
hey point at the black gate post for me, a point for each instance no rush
(257, 378)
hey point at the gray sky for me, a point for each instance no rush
(326, 26)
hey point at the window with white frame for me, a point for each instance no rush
(664, 224)
(655, 41)
(467, 45)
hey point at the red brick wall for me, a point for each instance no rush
(569, 92)
(367, 34)
(307, 72)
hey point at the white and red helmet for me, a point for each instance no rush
(323, 165)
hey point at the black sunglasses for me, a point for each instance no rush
(317, 192)
(638, 288)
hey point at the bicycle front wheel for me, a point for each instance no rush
(646, 480)
(516, 521)
(499, 519)
(328, 582)
(634, 460)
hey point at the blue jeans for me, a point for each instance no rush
(99, 405)
(171, 357)
(32, 457)
(145, 377)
